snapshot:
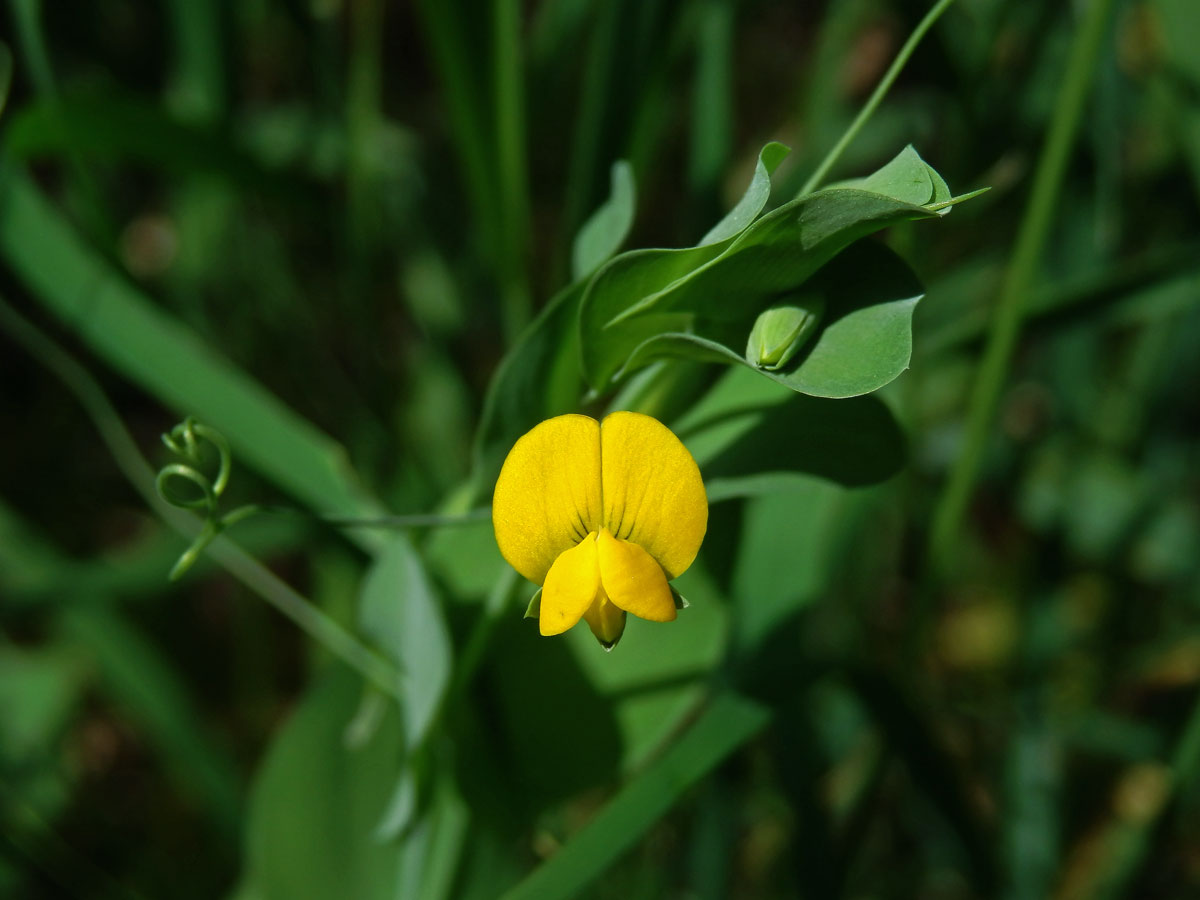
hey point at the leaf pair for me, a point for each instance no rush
(702, 302)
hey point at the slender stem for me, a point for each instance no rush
(881, 90)
(418, 520)
(239, 563)
(1010, 307)
(315, 623)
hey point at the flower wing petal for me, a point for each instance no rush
(571, 585)
(653, 493)
(547, 497)
(633, 581)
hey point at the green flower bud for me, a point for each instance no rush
(781, 331)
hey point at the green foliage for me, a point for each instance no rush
(400, 612)
(602, 235)
(646, 304)
(941, 637)
(318, 790)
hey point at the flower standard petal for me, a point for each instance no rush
(633, 581)
(547, 497)
(653, 493)
(572, 583)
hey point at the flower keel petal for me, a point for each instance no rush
(607, 621)
(572, 583)
(633, 581)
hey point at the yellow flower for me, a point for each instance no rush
(602, 515)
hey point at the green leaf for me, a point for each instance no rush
(747, 427)
(603, 233)
(852, 442)
(643, 294)
(728, 722)
(865, 337)
(316, 803)
(401, 613)
(753, 200)
(905, 178)
(910, 179)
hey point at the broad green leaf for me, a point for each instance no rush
(316, 803)
(643, 294)
(746, 425)
(908, 177)
(864, 340)
(728, 722)
(905, 178)
(851, 442)
(603, 233)
(753, 200)
(400, 612)
(167, 360)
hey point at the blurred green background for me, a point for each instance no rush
(355, 207)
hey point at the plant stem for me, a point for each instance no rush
(416, 520)
(1010, 307)
(876, 98)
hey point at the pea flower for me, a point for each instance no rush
(602, 515)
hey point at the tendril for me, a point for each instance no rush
(187, 485)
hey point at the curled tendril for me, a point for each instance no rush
(187, 486)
